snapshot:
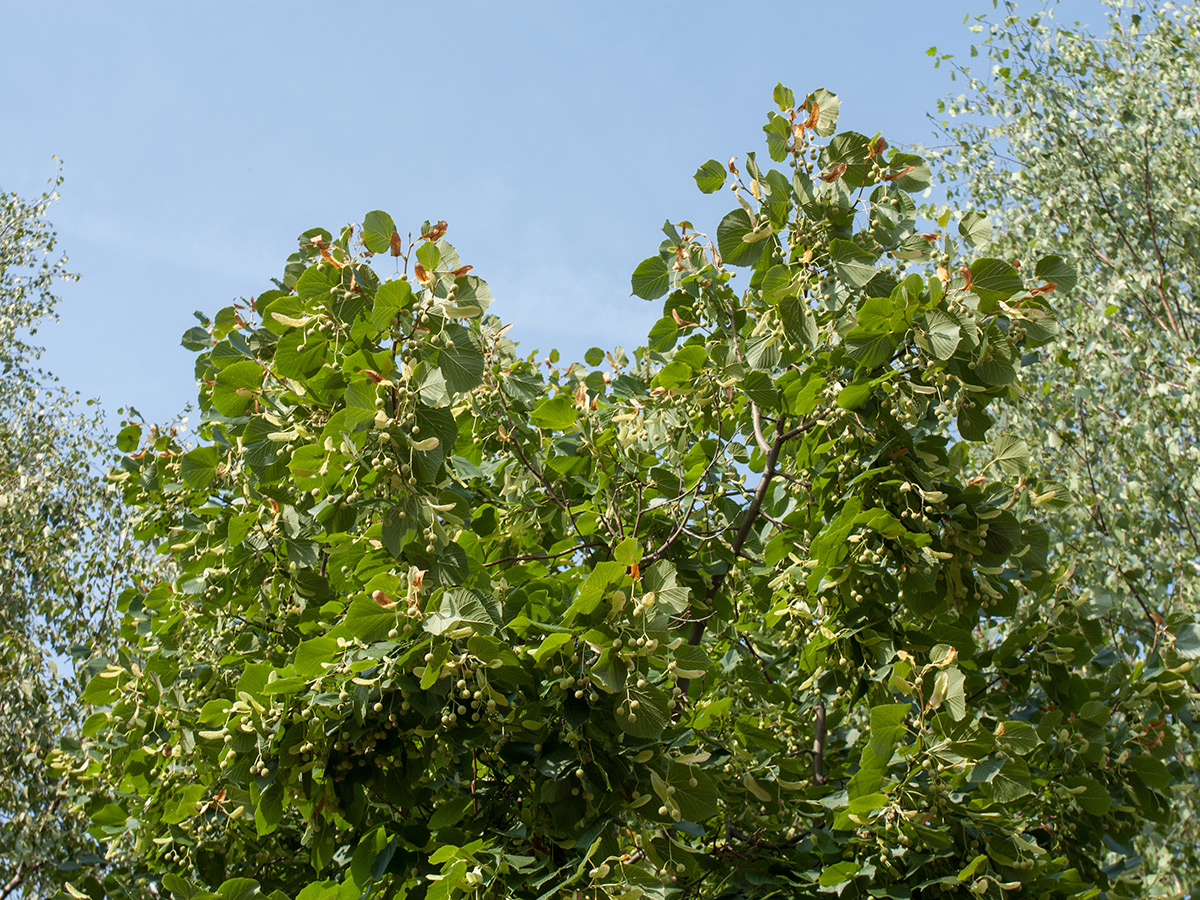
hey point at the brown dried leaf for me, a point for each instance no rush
(435, 232)
(814, 113)
(835, 173)
(395, 244)
(680, 320)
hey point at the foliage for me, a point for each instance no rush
(1088, 145)
(746, 613)
(62, 566)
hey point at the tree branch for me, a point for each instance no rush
(818, 747)
(16, 881)
(751, 514)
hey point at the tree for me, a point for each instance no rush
(64, 562)
(1087, 144)
(746, 613)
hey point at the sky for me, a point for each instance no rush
(199, 139)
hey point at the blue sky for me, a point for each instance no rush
(200, 138)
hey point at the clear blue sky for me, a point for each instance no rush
(555, 137)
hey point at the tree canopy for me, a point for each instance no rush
(65, 558)
(1087, 144)
(750, 611)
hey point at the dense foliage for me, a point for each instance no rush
(62, 565)
(1089, 144)
(748, 612)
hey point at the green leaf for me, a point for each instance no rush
(1187, 640)
(886, 728)
(828, 106)
(462, 363)
(368, 621)
(463, 612)
(994, 280)
(628, 552)
(1090, 794)
(730, 244)
(650, 717)
(870, 350)
(128, 438)
(838, 873)
(852, 265)
(710, 177)
(554, 413)
(651, 278)
(196, 339)
(799, 324)
(909, 172)
(976, 229)
(1053, 268)
(180, 888)
(594, 356)
(429, 255)
(942, 333)
(237, 889)
(390, 298)
(1151, 771)
(311, 655)
(183, 804)
(377, 231)
(783, 97)
(449, 813)
(850, 148)
(1011, 454)
(853, 396)
(199, 467)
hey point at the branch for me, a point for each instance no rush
(818, 748)
(533, 556)
(760, 493)
(16, 881)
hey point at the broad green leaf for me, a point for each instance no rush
(377, 231)
(886, 728)
(942, 332)
(465, 611)
(1187, 640)
(710, 177)
(449, 813)
(651, 278)
(369, 621)
(976, 229)
(838, 873)
(734, 250)
(852, 265)
(1150, 770)
(783, 97)
(1011, 454)
(628, 552)
(994, 280)
(648, 719)
(554, 413)
(827, 106)
(462, 362)
(199, 467)
(850, 148)
(852, 396)
(1054, 269)
(237, 889)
